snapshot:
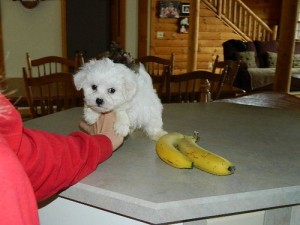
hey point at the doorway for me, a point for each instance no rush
(88, 27)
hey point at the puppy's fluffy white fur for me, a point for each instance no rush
(109, 86)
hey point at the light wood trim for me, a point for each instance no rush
(193, 35)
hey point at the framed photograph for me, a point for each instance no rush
(185, 8)
(169, 9)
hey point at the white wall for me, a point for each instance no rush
(37, 31)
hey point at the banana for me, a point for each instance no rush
(203, 159)
(167, 151)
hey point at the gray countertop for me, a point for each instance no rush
(263, 144)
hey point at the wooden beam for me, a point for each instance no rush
(118, 21)
(193, 35)
(286, 46)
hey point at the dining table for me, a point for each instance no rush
(134, 186)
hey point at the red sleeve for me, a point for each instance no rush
(54, 162)
(17, 202)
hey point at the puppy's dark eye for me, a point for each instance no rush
(111, 90)
(94, 87)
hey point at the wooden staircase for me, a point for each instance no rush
(242, 20)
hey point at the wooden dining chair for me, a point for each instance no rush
(228, 89)
(195, 86)
(158, 68)
(53, 64)
(49, 93)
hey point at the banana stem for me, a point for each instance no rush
(196, 136)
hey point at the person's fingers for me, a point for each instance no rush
(105, 126)
(86, 128)
(94, 128)
(106, 122)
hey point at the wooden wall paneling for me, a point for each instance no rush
(212, 33)
(267, 10)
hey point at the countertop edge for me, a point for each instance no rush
(173, 211)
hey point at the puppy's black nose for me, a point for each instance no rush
(99, 101)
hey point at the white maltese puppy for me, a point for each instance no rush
(110, 86)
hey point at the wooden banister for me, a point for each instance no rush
(242, 19)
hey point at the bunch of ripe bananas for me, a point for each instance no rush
(181, 151)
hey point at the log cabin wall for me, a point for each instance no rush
(212, 33)
(268, 10)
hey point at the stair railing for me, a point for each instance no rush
(242, 19)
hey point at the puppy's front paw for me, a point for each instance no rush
(121, 129)
(90, 116)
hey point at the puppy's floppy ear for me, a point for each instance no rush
(129, 87)
(79, 78)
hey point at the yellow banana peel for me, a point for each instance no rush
(167, 151)
(182, 151)
(204, 159)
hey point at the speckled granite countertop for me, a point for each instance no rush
(263, 143)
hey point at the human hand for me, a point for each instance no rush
(104, 125)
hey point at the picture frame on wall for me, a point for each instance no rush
(169, 9)
(185, 9)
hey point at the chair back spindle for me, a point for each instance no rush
(159, 69)
(195, 86)
(49, 84)
(53, 64)
(50, 93)
(228, 90)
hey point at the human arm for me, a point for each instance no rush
(52, 162)
(77, 155)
